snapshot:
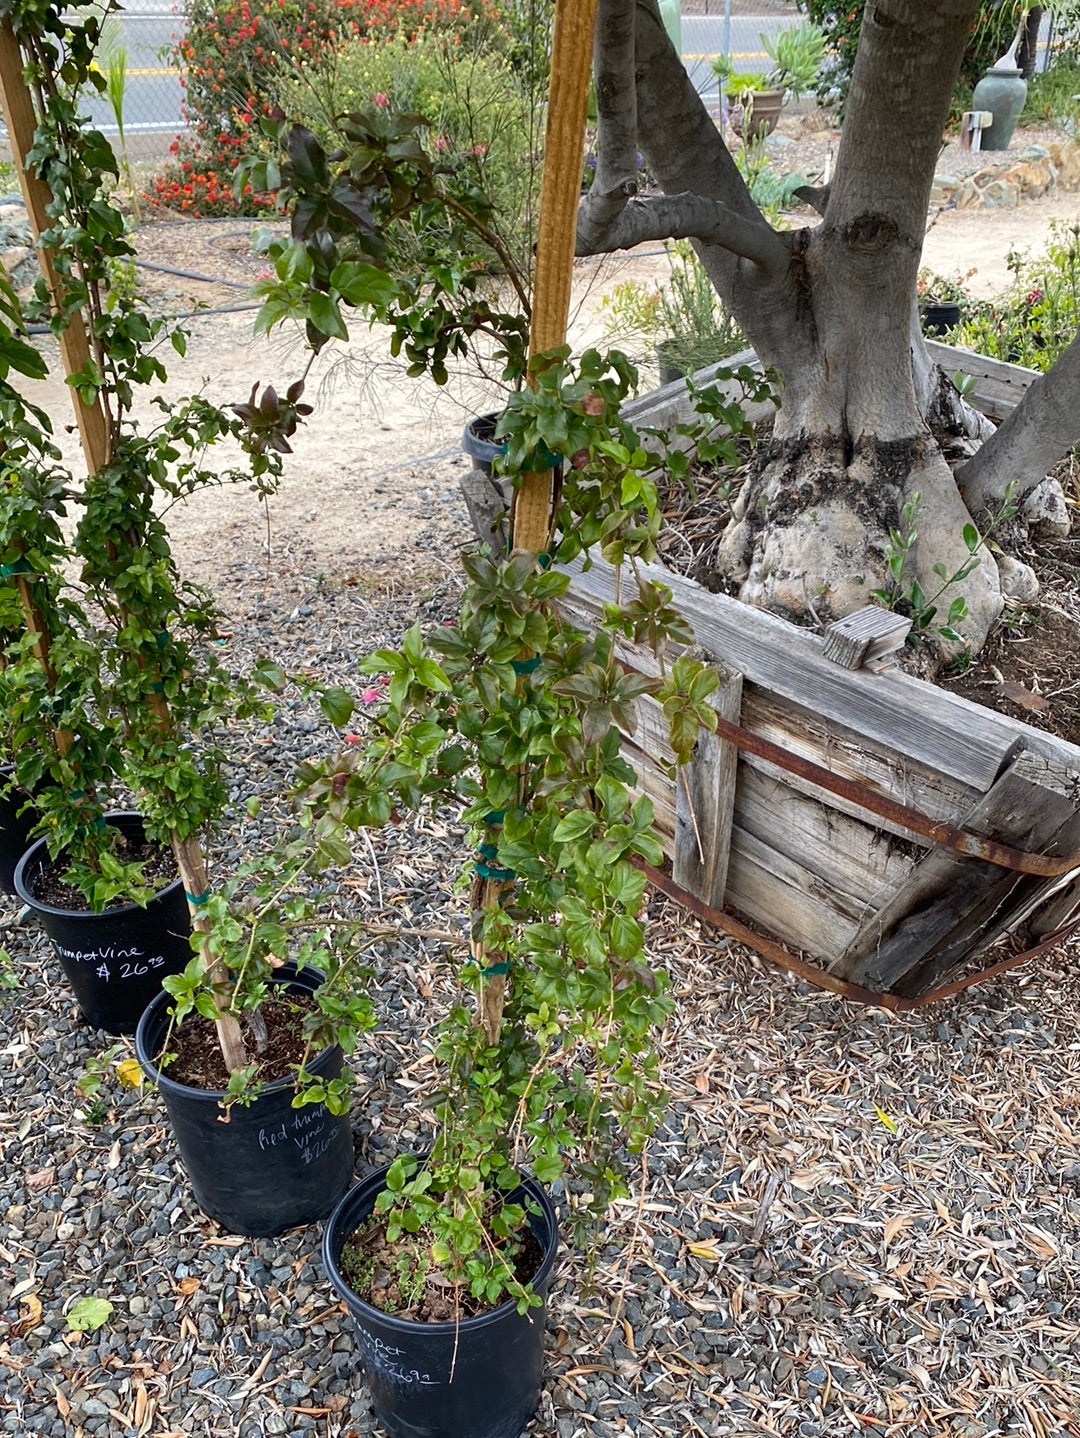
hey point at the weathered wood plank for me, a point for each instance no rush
(952, 906)
(894, 710)
(856, 859)
(787, 901)
(704, 801)
(1054, 911)
(850, 756)
(998, 388)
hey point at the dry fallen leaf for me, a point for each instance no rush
(705, 1250)
(188, 1286)
(63, 1407)
(42, 1178)
(1033, 703)
(895, 1224)
(31, 1304)
(701, 1083)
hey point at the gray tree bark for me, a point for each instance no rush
(832, 308)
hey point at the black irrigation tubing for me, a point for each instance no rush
(193, 275)
(33, 330)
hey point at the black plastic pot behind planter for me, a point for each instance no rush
(272, 1166)
(114, 961)
(938, 318)
(479, 442)
(478, 1378)
(14, 832)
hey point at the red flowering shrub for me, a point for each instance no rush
(230, 58)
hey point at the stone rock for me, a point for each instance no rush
(1045, 511)
(1001, 195)
(12, 258)
(1017, 580)
(968, 196)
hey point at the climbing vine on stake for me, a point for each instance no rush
(167, 682)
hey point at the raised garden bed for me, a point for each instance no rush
(893, 834)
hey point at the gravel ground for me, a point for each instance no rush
(852, 1223)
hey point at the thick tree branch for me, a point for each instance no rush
(1043, 426)
(616, 98)
(677, 217)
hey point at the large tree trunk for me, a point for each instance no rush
(832, 308)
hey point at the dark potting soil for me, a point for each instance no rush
(159, 870)
(199, 1064)
(400, 1279)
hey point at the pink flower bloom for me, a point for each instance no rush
(381, 100)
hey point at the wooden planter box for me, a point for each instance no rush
(898, 897)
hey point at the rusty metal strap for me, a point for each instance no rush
(775, 953)
(939, 832)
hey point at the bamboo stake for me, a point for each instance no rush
(531, 519)
(97, 448)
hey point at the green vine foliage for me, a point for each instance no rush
(511, 717)
(130, 682)
(343, 206)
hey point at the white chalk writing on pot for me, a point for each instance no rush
(392, 1362)
(306, 1131)
(112, 962)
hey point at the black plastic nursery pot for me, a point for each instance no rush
(479, 1378)
(114, 961)
(14, 831)
(479, 442)
(271, 1166)
(938, 318)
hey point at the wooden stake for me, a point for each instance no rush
(564, 150)
(74, 345)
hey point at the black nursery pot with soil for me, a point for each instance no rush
(270, 1166)
(479, 1376)
(114, 961)
(14, 831)
(479, 442)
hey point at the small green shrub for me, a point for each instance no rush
(1038, 315)
(1052, 93)
(482, 126)
(686, 319)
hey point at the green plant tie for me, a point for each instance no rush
(544, 560)
(157, 687)
(494, 970)
(525, 666)
(19, 567)
(486, 867)
(162, 638)
(195, 900)
(495, 817)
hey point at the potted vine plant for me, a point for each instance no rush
(511, 715)
(129, 685)
(82, 879)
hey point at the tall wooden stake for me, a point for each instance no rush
(531, 519)
(96, 442)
